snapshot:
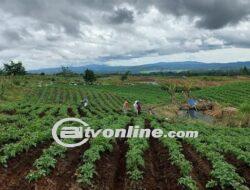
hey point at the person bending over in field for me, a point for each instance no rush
(126, 107)
(84, 102)
(137, 107)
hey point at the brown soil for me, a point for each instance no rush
(161, 174)
(70, 112)
(13, 177)
(42, 114)
(63, 176)
(241, 168)
(119, 180)
(111, 168)
(9, 112)
(201, 167)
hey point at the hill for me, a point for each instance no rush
(154, 67)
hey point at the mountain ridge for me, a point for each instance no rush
(152, 67)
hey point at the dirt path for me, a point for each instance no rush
(241, 168)
(201, 167)
(13, 177)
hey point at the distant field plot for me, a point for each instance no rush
(145, 93)
(230, 94)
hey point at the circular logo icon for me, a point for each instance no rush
(62, 121)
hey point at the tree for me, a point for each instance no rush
(171, 90)
(14, 68)
(244, 71)
(125, 76)
(89, 76)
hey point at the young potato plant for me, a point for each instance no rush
(135, 155)
(46, 162)
(178, 159)
(11, 150)
(223, 173)
(98, 146)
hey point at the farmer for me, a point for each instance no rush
(192, 107)
(125, 107)
(85, 102)
(136, 107)
(139, 107)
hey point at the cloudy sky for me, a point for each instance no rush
(49, 33)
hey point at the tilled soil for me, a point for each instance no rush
(111, 168)
(13, 177)
(162, 175)
(241, 168)
(158, 173)
(63, 176)
(201, 167)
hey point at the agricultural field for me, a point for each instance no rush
(219, 158)
(230, 94)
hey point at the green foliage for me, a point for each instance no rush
(178, 159)
(135, 156)
(244, 71)
(125, 76)
(171, 89)
(46, 162)
(14, 68)
(245, 108)
(233, 94)
(188, 182)
(2, 90)
(89, 76)
(22, 128)
(98, 146)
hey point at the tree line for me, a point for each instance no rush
(17, 68)
(234, 72)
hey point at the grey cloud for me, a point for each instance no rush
(11, 36)
(122, 15)
(93, 29)
(59, 13)
(212, 14)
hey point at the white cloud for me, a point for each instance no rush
(52, 34)
(207, 56)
